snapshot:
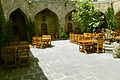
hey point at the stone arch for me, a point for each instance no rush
(19, 28)
(15, 8)
(48, 17)
(37, 12)
(69, 21)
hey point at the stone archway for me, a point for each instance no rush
(18, 19)
(70, 24)
(46, 18)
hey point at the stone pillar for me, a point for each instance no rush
(62, 25)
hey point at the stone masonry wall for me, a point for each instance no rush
(58, 7)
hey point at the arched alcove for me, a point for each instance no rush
(19, 25)
(70, 24)
(49, 18)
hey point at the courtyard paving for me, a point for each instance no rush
(63, 61)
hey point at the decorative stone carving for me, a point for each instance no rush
(116, 50)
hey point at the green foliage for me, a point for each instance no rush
(98, 19)
(86, 15)
(31, 29)
(111, 22)
(63, 35)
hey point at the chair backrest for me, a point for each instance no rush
(12, 43)
(34, 40)
(22, 43)
(46, 36)
(85, 34)
(39, 39)
(89, 34)
(23, 50)
(87, 38)
(9, 52)
(81, 37)
(100, 42)
(76, 36)
(97, 35)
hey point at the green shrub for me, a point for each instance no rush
(63, 35)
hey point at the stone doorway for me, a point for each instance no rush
(69, 27)
(43, 28)
(19, 25)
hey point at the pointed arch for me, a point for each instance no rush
(45, 9)
(16, 8)
(19, 28)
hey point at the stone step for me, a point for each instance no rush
(108, 49)
(107, 46)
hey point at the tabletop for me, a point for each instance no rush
(90, 40)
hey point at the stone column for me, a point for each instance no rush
(62, 25)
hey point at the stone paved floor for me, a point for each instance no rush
(32, 72)
(63, 61)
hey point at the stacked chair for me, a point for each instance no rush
(10, 57)
(24, 55)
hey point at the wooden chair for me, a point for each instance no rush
(56, 35)
(24, 55)
(10, 56)
(12, 43)
(99, 45)
(78, 38)
(52, 35)
(48, 42)
(72, 37)
(39, 43)
(81, 37)
(75, 38)
(69, 37)
(34, 41)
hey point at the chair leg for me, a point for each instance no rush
(97, 50)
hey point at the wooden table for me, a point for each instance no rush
(84, 42)
(47, 41)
